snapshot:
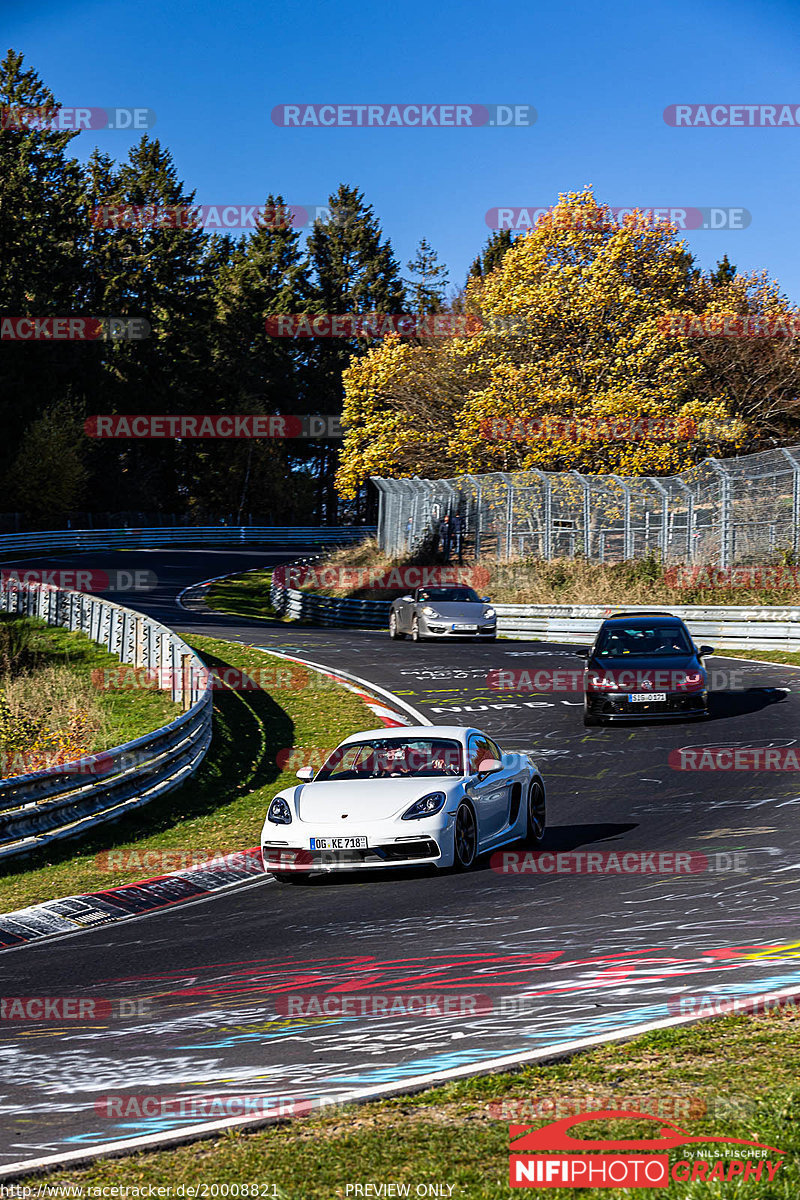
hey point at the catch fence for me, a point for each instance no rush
(724, 511)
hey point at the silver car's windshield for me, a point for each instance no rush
(449, 595)
(385, 758)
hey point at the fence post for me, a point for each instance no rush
(587, 533)
(627, 532)
(795, 502)
(664, 513)
(725, 515)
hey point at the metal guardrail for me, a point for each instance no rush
(66, 800)
(325, 610)
(759, 628)
(147, 539)
(755, 628)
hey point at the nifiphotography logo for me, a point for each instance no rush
(622, 1163)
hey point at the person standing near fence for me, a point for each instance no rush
(456, 532)
(444, 537)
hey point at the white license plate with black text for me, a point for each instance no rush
(339, 843)
(643, 697)
(465, 628)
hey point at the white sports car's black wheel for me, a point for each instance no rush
(537, 815)
(394, 631)
(416, 636)
(465, 838)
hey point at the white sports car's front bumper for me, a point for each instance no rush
(288, 847)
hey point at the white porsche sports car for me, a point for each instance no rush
(422, 795)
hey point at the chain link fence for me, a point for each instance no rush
(723, 511)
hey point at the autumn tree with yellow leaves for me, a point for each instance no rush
(570, 339)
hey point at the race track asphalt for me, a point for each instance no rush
(528, 960)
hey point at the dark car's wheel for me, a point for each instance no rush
(394, 630)
(537, 815)
(416, 636)
(589, 719)
(465, 838)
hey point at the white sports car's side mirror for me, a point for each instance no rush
(407, 599)
(488, 765)
(305, 774)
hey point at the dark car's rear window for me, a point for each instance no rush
(662, 639)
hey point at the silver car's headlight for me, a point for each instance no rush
(429, 612)
(489, 612)
(279, 812)
(426, 806)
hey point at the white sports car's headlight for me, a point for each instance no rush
(430, 612)
(426, 806)
(488, 612)
(279, 812)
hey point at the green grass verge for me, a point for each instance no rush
(734, 1077)
(222, 807)
(124, 715)
(244, 595)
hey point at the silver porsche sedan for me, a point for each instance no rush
(443, 612)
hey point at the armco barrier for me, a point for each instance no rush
(756, 628)
(188, 535)
(325, 610)
(65, 801)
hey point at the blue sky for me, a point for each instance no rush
(599, 76)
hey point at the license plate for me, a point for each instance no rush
(466, 628)
(643, 697)
(339, 843)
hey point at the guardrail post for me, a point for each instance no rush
(186, 682)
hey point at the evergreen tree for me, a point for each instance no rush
(427, 291)
(165, 275)
(493, 252)
(354, 271)
(43, 232)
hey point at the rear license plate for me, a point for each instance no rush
(339, 843)
(465, 628)
(643, 697)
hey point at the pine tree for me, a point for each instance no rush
(354, 271)
(427, 292)
(493, 252)
(43, 233)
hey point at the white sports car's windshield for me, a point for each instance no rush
(385, 758)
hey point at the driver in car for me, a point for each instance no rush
(392, 761)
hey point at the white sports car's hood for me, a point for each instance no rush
(364, 800)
